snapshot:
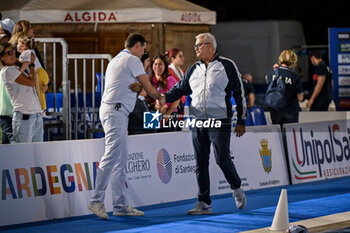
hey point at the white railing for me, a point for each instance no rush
(65, 114)
(84, 58)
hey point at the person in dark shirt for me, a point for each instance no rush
(135, 125)
(322, 78)
(293, 91)
(248, 89)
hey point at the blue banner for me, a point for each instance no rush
(339, 61)
(88, 115)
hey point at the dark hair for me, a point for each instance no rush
(164, 80)
(132, 40)
(316, 53)
(3, 47)
(7, 33)
(144, 57)
(4, 38)
(171, 53)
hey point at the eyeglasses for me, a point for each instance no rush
(10, 52)
(197, 46)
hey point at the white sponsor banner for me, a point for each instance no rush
(318, 151)
(344, 58)
(344, 80)
(132, 15)
(259, 159)
(344, 69)
(56, 179)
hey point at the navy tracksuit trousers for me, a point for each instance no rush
(202, 138)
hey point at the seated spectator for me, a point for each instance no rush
(27, 122)
(161, 80)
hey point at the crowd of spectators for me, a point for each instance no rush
(23, 84)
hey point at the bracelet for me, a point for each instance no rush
(31, 65)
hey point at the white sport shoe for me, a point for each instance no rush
(128, 211)
(200, 208)
(240, 198)
(99, 209)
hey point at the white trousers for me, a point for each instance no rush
(113, 162)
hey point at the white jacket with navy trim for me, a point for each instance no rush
(211, 89)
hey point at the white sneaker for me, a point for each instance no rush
(128, 211)
(200, 208)
(98, 209)
(240, 198)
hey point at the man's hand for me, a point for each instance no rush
(239, 130)
(162, 109)
(135, 87)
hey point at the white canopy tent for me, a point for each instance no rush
(108, 11)
(101, 26)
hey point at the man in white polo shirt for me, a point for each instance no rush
(123, 73)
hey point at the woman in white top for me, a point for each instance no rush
(27, 123)
(175, 59)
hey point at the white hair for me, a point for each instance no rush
(208, 37)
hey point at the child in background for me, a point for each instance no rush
(25, 46)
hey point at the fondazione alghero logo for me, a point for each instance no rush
(164, 166)
(152, 120)
(265, 155)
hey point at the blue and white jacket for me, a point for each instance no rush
(212, 88)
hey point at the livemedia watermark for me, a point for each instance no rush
(153, 120)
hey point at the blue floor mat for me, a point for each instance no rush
(305, 201)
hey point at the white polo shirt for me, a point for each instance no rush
(122, 71)
(24, 98)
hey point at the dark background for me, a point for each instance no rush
(316, 16)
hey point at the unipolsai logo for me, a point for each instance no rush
(151, 120)
(164, 166)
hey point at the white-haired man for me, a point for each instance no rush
(211, 81)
